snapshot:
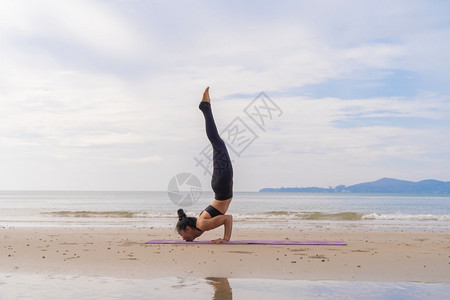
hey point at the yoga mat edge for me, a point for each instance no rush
(251, 242)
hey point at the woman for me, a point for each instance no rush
(214, 215)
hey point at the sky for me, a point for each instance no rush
(103, 95)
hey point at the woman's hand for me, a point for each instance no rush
(218, 241)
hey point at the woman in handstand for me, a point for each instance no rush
(214, 215)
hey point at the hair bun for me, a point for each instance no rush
(181, 214)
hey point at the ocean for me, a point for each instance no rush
(249, 209)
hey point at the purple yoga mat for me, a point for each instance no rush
(251, 242)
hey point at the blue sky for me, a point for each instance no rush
(103, 95)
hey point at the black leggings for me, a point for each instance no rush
(222, 178)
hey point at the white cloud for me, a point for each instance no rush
(89, 25)
(311, 150)
(96, 85)
(147, 159)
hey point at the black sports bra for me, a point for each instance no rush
(212, 211)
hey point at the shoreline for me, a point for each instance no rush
(377, 255)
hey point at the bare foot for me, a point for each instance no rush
(206, 95)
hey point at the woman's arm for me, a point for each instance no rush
(212, 223)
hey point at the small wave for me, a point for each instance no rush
(278, 213)
(343, 216)
(96, 214)
(271, 215)
(418, 217)
(110, 214)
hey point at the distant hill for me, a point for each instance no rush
(383, 185)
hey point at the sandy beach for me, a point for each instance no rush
(371, 254)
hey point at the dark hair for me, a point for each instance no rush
(184, 221)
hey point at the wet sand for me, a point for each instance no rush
(371, 255)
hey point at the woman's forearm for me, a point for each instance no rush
(228, 226)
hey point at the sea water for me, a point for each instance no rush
(249, 209)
